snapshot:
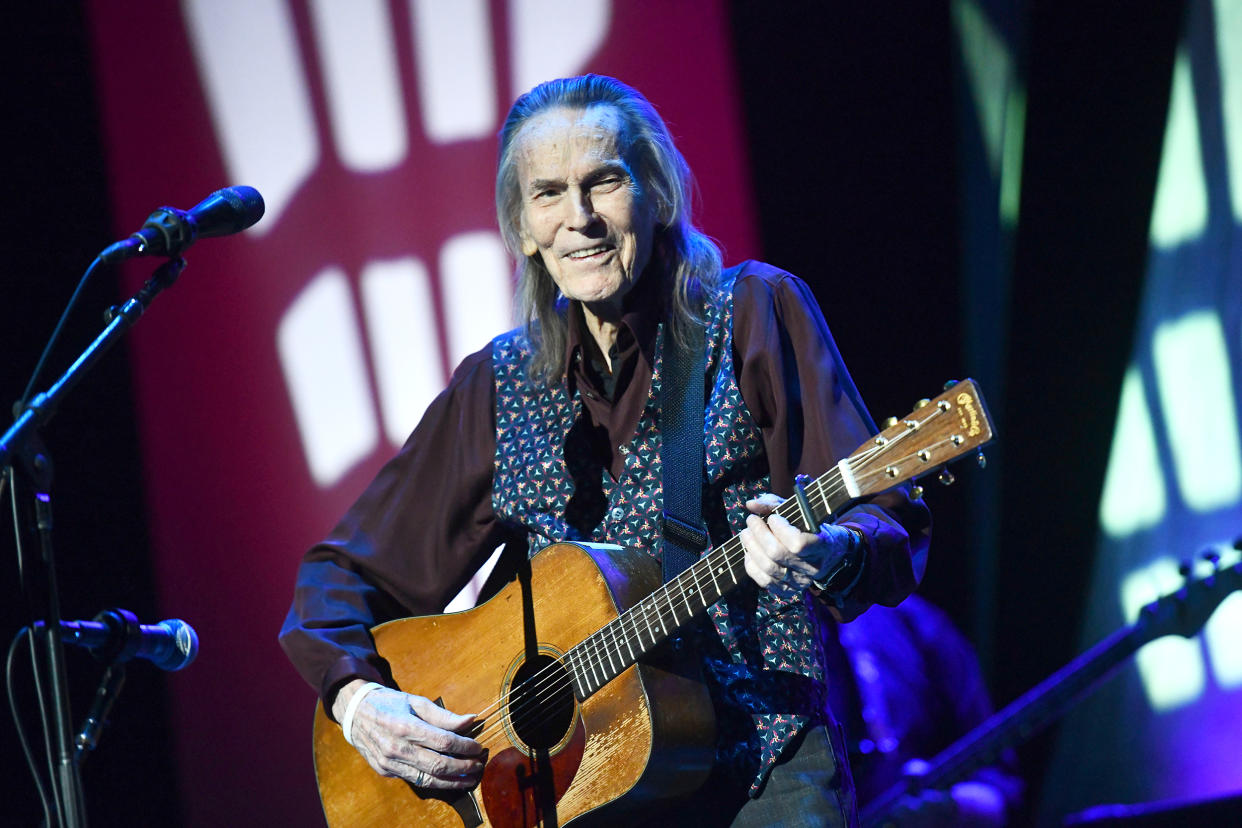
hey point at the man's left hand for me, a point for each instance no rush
(781, 556)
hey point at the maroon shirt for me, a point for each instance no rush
(425, 524)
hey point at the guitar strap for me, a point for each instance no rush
(681, 450)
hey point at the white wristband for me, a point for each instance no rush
(347, 721)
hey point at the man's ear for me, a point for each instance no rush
(529, 248)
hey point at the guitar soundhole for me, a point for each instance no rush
(541, 707)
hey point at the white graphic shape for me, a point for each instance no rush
(1171, 667)
(251, 69)
(401, 325)
(1228, 15)
(1134, 496)
(989, 72)
(456, 67)
(1196, 395)
(553, 38)
(469, 595)
(477, 288)
(321, 354)
(1222, 633)
(1223, 630)
(1179, 213)
(357, 52)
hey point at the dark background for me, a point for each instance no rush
(853, 122)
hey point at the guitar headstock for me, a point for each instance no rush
(934, 433)
(1185, 611)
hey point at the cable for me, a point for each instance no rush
(35, 665)
(21, 733)
(51, 342)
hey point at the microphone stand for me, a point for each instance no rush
(22, 452)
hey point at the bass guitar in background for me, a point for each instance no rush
(1183, 612)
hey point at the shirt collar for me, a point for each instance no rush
(642, 312)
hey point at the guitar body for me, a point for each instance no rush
(647, 733)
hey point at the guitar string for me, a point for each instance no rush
(550, 680)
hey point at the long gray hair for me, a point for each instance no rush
(688, 259)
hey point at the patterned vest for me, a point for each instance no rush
(763, 664)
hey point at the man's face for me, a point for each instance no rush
(583, 211)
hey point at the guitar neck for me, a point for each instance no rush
(603, 655)
(936, 432)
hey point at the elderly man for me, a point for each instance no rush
(593, 200)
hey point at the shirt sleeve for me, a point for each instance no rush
(411, 541)
(798, 390)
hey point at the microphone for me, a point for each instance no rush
(116, 636)
(169, 231)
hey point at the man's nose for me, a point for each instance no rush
(581, 211)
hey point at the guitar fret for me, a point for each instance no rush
(594, 663)
(820, 495)
(621, 641)
(672, 606)
(575, 671)
(603, 651)
(629, 639)
(685, 597)
(647, 620)
(612, 666)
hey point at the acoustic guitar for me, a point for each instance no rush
(587, 704)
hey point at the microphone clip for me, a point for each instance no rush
(124, 636)
(168, 231)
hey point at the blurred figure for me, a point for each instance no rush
(915, 688)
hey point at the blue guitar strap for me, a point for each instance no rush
(682, 407)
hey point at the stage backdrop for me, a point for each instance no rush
(1169, 726)
(289, 362)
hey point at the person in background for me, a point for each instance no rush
(915, 687)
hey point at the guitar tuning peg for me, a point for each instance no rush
(950, 384)
(946, 477)
(890, 422)
(981, 459)
(1185, 568)
(916, 492)
(1212, 556)
(923, 402)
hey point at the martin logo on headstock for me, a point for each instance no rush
(933, 434)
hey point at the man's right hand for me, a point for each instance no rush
(413, 738)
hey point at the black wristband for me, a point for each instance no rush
(840, 577)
